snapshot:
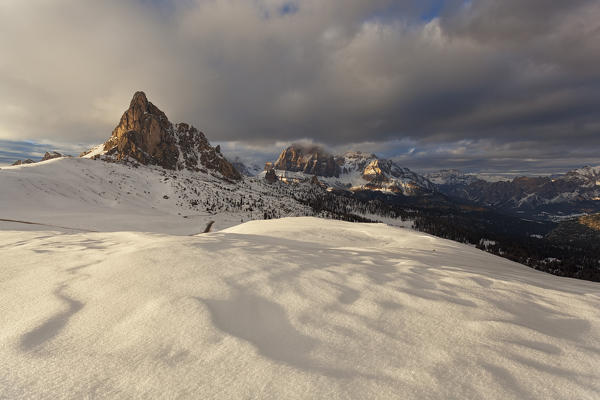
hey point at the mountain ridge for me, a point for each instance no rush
(576, 191)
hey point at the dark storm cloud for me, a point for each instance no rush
(436, 74)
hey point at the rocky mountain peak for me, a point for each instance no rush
(311, 160)
(146, 135)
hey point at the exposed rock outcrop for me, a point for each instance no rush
(146, 135)
(270, 176)
(21, 162)
(309, 160)
(51, 155)
(48, 156)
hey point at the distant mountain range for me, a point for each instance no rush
(145, 136)
(576, 192)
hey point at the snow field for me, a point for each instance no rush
(289, 308)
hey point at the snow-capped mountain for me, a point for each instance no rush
(146, 135)
(586, 176)
(577, 191)
(354, 171)
(365, 171)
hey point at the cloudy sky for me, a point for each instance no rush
(481, 85)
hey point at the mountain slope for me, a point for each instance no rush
(96, 195)
(291, 308)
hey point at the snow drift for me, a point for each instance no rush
(290, 308)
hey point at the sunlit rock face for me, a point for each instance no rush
(146, 135)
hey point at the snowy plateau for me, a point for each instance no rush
(108, 289)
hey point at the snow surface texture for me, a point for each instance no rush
(283, 309)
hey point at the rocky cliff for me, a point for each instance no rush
(310, 160)
(146, 135)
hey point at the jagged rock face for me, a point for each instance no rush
(377, 170)
(309, 160)
(196, 150)
(146, 135)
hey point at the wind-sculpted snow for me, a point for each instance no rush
(284, 309)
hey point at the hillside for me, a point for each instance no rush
(102, 196)
(290, 308)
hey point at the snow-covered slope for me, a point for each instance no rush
(101, 196)
(294, 308)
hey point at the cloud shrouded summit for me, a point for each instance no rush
(493, 74)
